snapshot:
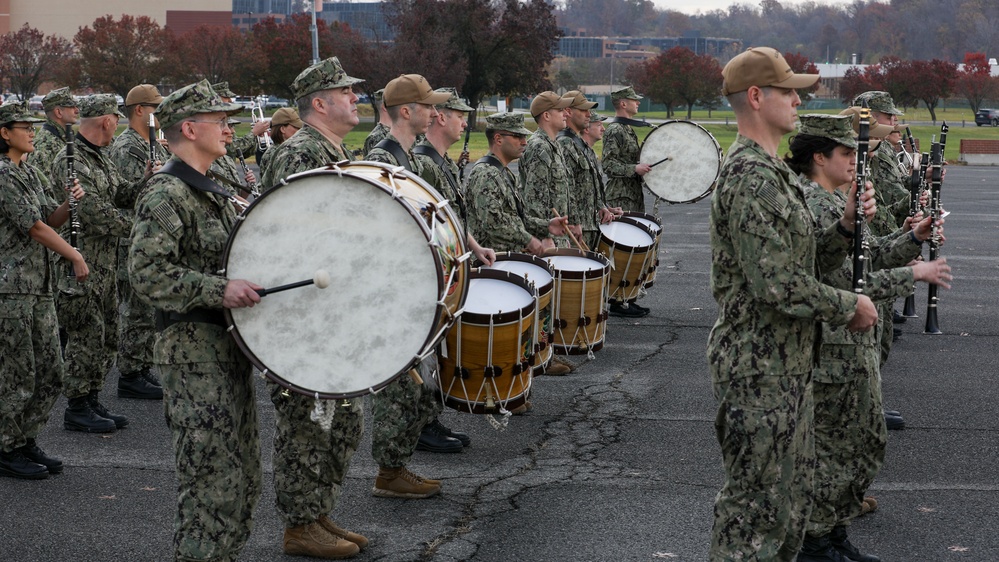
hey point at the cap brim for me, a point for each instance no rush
(586, 106)
(880, 130)
(562, 103)
(436, 98)
(798, 81)
(27, 119)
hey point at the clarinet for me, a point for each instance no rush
(915, 189)
(936, 180)
(251, 186)
(152, 139)
(859, 243)
(74, 214)
(464, 157)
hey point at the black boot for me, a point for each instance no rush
(894, 422)
(434, 440)
(819, 549)
(617, 309)
(842, 545)
(34, 453)
(80, 416)
(119, 421)
(15, 464)
(445, 430)
(136, 385)
(151, 378)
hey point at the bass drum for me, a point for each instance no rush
(393, 292)
(686, 162)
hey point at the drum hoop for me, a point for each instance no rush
(714, 182)
(626, 247)
(233, 329)
(589, 274)
(482, 319)
(637, 215)
(645, 228)
(533, 260)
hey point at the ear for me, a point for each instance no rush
(754, 97)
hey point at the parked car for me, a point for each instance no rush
(245, 101)
(272, 102)
(987, 117)
(35, 103)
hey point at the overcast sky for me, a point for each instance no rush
(693, 6)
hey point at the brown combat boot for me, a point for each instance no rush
(401, 483)
(314, 540)
(360, 540)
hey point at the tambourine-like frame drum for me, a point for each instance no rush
(686, 161)
(580, 309)
(656, 227)
(539, 272)
(391, 291)
(629, 246)
(487, 357)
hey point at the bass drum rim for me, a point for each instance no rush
(645, 157)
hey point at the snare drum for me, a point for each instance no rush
(629, 246)
(655, 226)
(537, 271)
(392, 292)
(486, 360)
(580, 309)
(687, 161)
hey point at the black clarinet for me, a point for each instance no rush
(463, 158)
(252, 185)
(915, 189)
(859, 244)
(152, 140)
(934, 208)
(74, 215)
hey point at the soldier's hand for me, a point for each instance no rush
(240, 293)
(606, 215)
(80, 269)
(250, 178)
(642, 169)
(535, 247)
(557, 225)
(260, 127)
(77, 190)
(870, 208)
(485, 255)
(936, 272)
(865, 317)
(576, 230)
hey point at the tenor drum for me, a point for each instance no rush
(394, 286)
(537, 271)
(487, 357)
(630, 247)
(655, 226)
(687, 161)
(579, 315)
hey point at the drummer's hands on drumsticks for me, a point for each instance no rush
(320, 279)
(577, 230)
(606, 215)
(642, 169)
(485, 255)
(240, 293)
(558, 225)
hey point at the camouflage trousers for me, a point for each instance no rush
(887, 327)
(31, 367)
(90, 317)
(850, 441)
(212, 414)
(635, 203)
(398, 414)
(310, 463)
(136, 324)
(764, 427)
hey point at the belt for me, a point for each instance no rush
(166, 319)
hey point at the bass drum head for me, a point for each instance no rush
(693, 166)
(380, 308)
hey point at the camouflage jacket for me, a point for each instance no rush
(245, 145)
(892, 196)
(264, 161)
(49, 140)
(619, 158)
(26, 267)
(437, 176)
(386, 157)
(308, 149)
(130, 152)
(101, 221)
(226, 173)
(376, 135)
(767, 256)
(495, 211)
(544, 182)
(586, 197)
(174, 260)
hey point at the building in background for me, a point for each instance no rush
(65, 18)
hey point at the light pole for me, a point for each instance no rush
(317, 5)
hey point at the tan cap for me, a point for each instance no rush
(762, 67)
(548, 100)
(412, 88)
(579, 100)
(876, 131)
(286, 116)
(143, 93)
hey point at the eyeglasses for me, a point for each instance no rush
(29, 128)
(221, 123)
(514, 135)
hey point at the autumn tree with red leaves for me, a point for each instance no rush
(28, 57)
(800, 64)
(218, 53)
(678, 76)
(116, 55)
(931, 81)
(975, 82)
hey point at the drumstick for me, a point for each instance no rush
(321, 279)
(579, 244)
(660, 162)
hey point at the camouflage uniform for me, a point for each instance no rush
(619, 158)
(437, 177)
(379, 132)
(544, 183)
(587, 196)
(137, 330)
(766, 255)
(246, 144)
(209, 401)
(307, 150)
(386, 157)
(31, 365)
(89, 311)
(51, 138)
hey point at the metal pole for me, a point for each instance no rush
(315, 33)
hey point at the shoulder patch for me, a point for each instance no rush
(770, 197)
(167, 217)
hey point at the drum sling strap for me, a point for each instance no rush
(627, 121)
(48, 127)
(432, 153)
(395, 149)
(493, 161)
(590, 157)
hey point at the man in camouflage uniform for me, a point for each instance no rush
(245, 145)
(31, 366)
(544, 180)
(284, 124)
(61, 109)
(495, 208)
(182, 222)
(766, 256)
(381, 128)
(130, 153)
(310, 463)
(403, 408)
(89, 312)
(621, 151)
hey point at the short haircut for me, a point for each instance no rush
(491, 135)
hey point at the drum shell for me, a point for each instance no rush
(643, 219)
(467, 350)
(545, 293)
(631, 262)
(580, 303)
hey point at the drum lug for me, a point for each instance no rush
(525, 366)
(492, 371)
(585, 321)
(560, 323)
(516, 369)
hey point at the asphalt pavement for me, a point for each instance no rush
(617, 461)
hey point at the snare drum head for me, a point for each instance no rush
(494, 296)
(693, 166)
(575, 263)
(534, 273)
(375, 316)
(626, 234)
